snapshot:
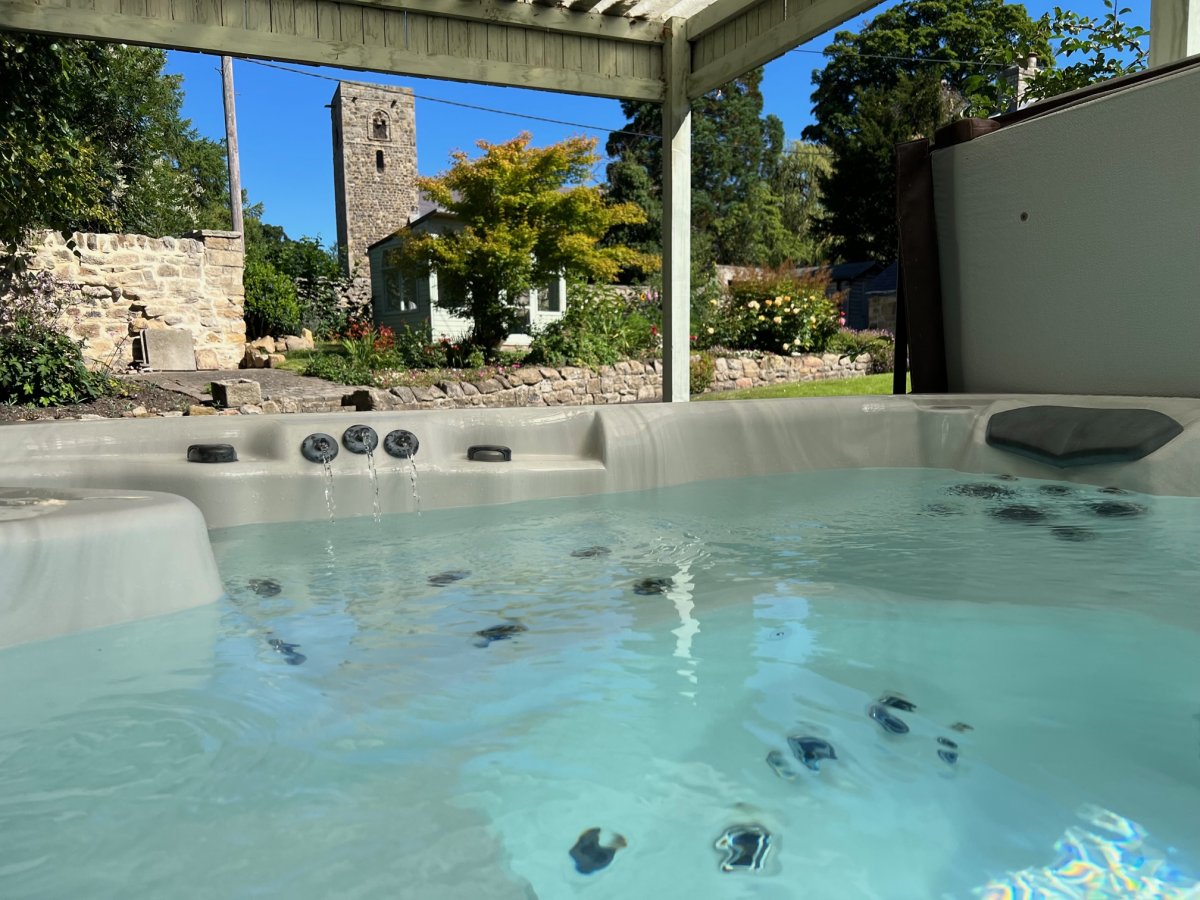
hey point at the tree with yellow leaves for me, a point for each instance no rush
(527, 215)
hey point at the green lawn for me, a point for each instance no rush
(840, 387)
(296, 360)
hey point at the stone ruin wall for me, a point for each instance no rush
(120, 284)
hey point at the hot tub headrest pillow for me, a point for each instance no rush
(1066, 436)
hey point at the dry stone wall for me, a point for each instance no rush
(735, 373)
(120, 284)
(625, 382)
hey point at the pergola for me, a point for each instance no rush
(665, 51)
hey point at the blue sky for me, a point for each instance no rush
(284, 128)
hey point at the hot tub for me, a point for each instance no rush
(848, 647)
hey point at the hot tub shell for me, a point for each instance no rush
(106, 519)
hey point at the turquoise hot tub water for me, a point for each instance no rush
(441, 706)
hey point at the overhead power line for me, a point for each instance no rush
(914, 59)
(488, 109)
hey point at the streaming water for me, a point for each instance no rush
(412, 477)
(328, 487)
(844, 685)
(374, 487)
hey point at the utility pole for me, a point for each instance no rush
(231, 148)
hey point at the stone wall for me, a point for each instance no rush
(881, 311)
(120, 284)
(625, 382)
(738, 372)
(355, 298)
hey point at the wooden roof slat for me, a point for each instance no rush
(620, 8)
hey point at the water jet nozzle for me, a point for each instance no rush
(319, 448)
(360, 439)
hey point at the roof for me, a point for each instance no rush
(852, 270)
(848, 271)
(383, 240)
(426, 209)
(885, 281)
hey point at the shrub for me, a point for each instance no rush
(416, 350)
(39, 365)
(463, 353)
(367, 349)
(335, 367)
(647, 302)
(320, 307)
(365, 353)
(43, 367)
(362, 353)
(879, 344)
(714, 323)
(701, 369)
(271, 304)
(782, 313)
(319, 282)
(598, 328)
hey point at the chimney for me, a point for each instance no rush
(1018, 78)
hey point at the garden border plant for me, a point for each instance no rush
(600, 326)
(777, 311)
(772, 311)
(40, 365)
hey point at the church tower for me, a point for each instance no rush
(374, 166)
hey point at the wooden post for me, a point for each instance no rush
(231, 147)
(676, 215)
(919, 280)
(1174, 30)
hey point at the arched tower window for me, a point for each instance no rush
(380, 127)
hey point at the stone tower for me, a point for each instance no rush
(374, 166)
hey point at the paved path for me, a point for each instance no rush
(296, 393)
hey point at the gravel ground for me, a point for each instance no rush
(139, 398)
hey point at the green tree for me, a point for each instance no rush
(860, 185)
(907, 72)
(91, 138)
(798, 185)
(289, 283)
(187, 190)
(630, 181)
(47, 175)
(1088, 49)
(737, 214)
(526, 216)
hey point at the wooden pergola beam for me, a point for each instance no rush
(372, 37)
(547, 15)
(759, 34)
